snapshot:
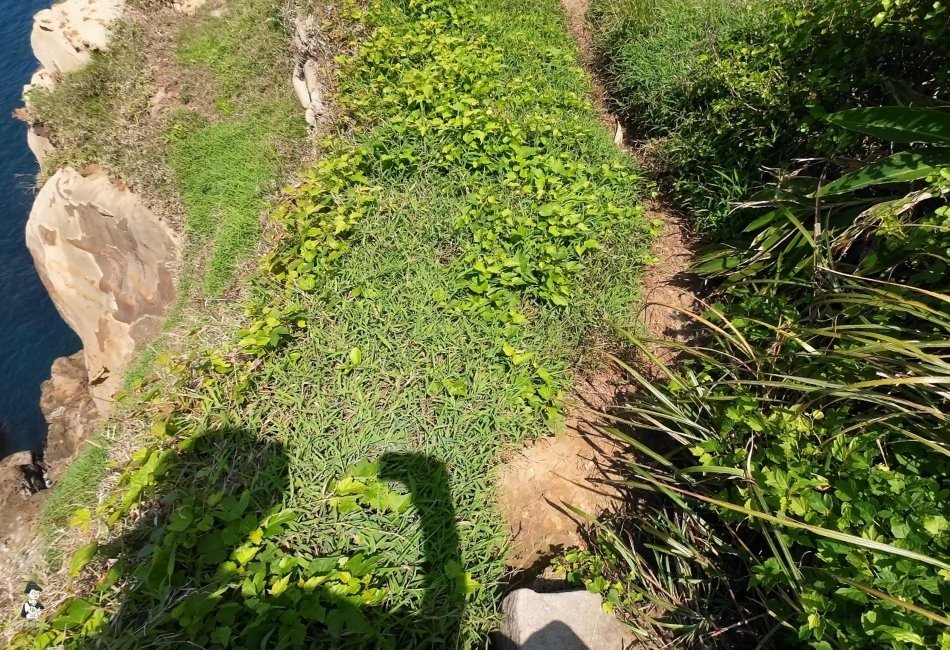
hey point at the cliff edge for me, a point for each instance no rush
(109, 264)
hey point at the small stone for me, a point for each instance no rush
(300, 87)
(567, 620)
(311, 75)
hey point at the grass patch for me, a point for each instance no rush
(211, 169)
(226, 165)
(77, 488)
(724, 89)
(99, 114)
(329, 477)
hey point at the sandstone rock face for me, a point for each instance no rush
(107, 262)
(70, 412)
(64, 35)
(36, 138)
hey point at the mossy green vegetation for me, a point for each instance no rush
(77, 488)
(225, 165)
(725, 89)
(327, 476)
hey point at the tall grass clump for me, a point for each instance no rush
(792, 471)
(723, 89)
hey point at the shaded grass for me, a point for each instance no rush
(725, 89)
(657, 47)
(77, 488)
(659, 57)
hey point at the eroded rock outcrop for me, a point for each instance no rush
(69, 410)
(63, 39)
(107, 262)
(20, 551)
(306, 79)
(65, 35)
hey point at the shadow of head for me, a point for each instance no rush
(427, 480)
(556, 635)
(209, 498)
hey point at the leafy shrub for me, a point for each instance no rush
(726, 88)
(795, 467)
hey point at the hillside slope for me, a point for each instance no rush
(322, 467)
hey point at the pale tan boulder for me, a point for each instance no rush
(108, 264)
(64, 35)
(36, 137)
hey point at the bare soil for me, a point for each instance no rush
(575, 466)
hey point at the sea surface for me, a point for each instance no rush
(32, 334)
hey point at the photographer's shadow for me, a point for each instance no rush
(197, 570)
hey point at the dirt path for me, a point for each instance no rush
(573, 467)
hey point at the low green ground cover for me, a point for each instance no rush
(328, 475)
(723, 89)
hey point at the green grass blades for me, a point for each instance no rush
(225, 166)
(328, 476)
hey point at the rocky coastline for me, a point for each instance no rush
(108, 263)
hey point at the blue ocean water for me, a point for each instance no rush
(32, 333)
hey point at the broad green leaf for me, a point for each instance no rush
(181, 519)
(74, 614)
(344, 505)
(862, 542)
(311, 610)
(364, 469)
(349, 485)
(897, 123)
(221, 635)
(245, 554)
(82, 557)
(279, 586)
(81, 519)
(902, 167)
(274, 523)
(345, 619)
